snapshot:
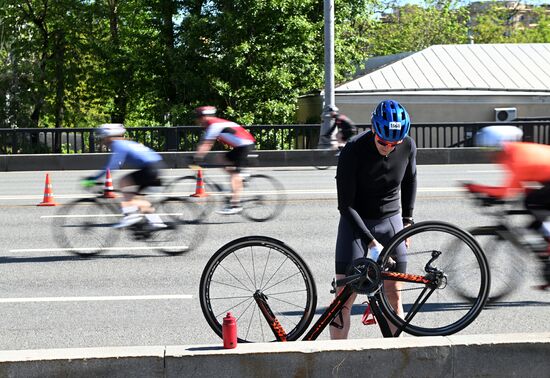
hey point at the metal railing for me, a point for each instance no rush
(268, 137)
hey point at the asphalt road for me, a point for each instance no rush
(51, 299)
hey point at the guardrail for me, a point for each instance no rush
(268, 137)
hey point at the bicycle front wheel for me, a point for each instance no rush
(505, 276)
(258, 266)
(263, 198)
(434, 309)
(85, 226)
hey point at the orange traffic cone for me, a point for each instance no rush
(199, 189)
(48, 194)
(109, 190)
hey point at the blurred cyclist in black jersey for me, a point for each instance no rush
(343, 126)
(376, 183)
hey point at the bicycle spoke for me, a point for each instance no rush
(225, 310)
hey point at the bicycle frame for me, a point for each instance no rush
(339, 301)
(503, 227)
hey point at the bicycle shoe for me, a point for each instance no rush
(128, 221)
(230, 210)
(156, 226)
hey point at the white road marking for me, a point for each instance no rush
(287, 191)
(98, 298)
(95, 249)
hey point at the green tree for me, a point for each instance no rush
(416, 27)
(254, 58)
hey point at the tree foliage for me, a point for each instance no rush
(78, 63)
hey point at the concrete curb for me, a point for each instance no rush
(266, 159)
(454, 356)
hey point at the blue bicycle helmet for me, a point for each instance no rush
(390, 121)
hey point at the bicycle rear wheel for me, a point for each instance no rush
(435, 309)
(507, 264)
(264, 266)
(85, 226)
(325, 158)
(183, 232)
(188, 188)
(262, 198)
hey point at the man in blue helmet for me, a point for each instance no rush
(374, 168)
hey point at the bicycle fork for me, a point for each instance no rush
(272, 321)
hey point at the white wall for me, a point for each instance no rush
(435, 106)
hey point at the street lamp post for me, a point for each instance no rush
(328, 99)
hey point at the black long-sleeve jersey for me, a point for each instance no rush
(368, 183)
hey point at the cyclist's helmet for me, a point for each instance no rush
(390, 121)
(205, 111)
(111, 130)
(497, 135)
(333, 111)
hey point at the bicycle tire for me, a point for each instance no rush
(187, 187)
(258, 263)
(507, 264)
(441, 314)
(262, 198)
(324, 156)
(85, 226)
(184, 232)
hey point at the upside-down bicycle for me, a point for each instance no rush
(270, 289)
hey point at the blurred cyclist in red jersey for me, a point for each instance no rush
(524, 163)
(232, 135)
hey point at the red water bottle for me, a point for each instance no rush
(229, 332)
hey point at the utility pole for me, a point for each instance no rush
(328, 100)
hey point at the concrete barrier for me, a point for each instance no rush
(266, 159)
(510, 355)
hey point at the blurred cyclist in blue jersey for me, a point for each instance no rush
(134, 155)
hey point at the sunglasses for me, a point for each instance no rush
(384, 143)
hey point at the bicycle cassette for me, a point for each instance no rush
(369, 278)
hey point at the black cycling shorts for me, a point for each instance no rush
(147, 176)
(349, 246)
(238, 156)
